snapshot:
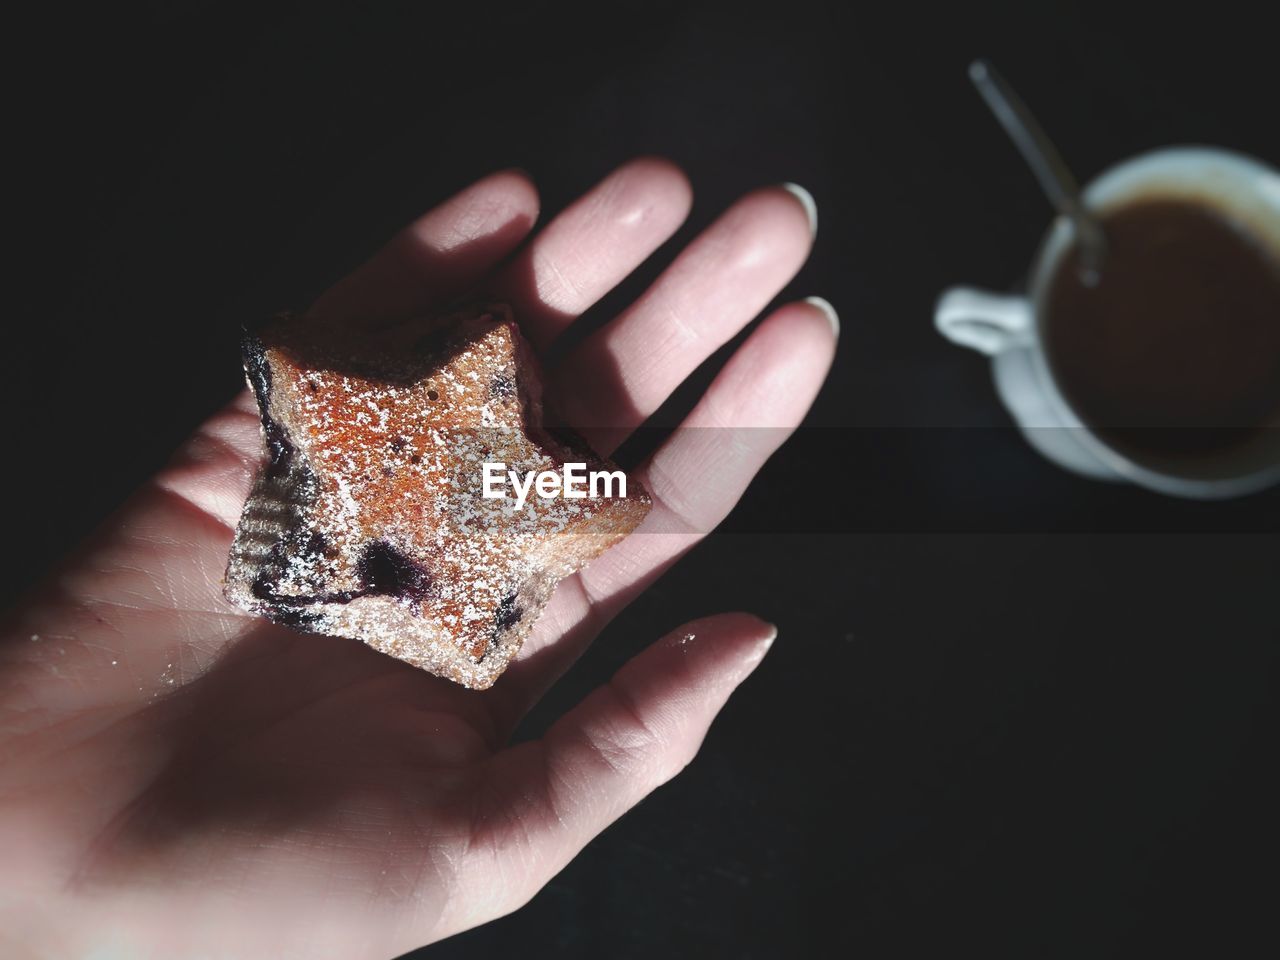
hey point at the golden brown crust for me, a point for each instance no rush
(368, 520)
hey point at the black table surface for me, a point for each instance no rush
(1008, 709)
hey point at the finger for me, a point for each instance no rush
(623, 372)
(549, 797)
(586, 250)
(440, 255)
(751, 408)
(694, 479)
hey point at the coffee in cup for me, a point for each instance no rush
(1174, 352)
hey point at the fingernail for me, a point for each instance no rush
(767, 642)
(806, 201)
(753, 655)
(830, 311)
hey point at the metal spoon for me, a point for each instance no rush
(1046, 163)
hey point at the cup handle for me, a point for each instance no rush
(987, 322)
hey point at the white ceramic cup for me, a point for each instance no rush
(1009, 328)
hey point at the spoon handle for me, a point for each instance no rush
(1043, 158)
(1026, 133)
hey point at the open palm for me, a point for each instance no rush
(178, 778)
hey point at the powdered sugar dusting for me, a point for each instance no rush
(390, 449)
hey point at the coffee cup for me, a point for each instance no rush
(1011, 328)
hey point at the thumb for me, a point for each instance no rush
(550, 797)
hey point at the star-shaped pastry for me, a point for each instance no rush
(370, 520)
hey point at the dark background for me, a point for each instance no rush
(1008, 709)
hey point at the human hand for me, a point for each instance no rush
(178, 778)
